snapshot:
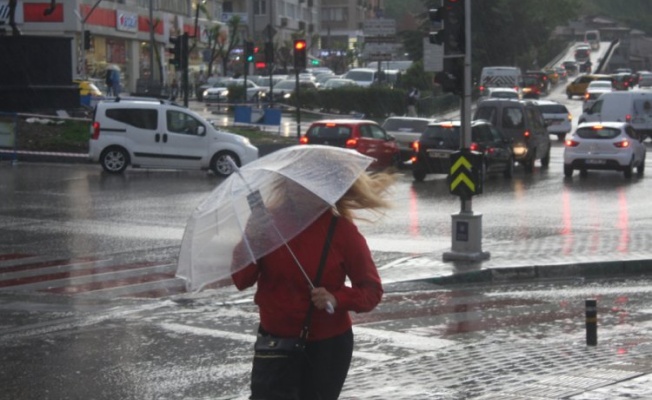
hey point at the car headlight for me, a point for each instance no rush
(287, 95)
(205, 93)
(226, 93)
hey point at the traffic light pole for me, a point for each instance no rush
(466, 225)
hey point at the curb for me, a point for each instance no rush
(604, 269)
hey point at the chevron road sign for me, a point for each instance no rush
(465, 177)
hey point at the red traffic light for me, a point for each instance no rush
(299, 44)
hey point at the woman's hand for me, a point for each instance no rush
(321, 297)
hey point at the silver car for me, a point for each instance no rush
(557, 117)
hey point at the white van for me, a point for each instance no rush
(634, 107)
(158, 134)
(362, 76)
(500, 77)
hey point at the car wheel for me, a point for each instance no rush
(640, 169)
(584, 173)
(568, 171)
(509, 168)
(528, 164)
(561, 137)
(419, 176)
(221, 166)
(114, 160)
(628, 170)
(569, 95)
(545, 161)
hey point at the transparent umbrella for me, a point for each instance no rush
(261, 208)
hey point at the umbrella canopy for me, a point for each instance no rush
(268, 203)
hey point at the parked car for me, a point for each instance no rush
(522, 122)
(283, 90)
(337, 83)
(160, 134)
(556, 116)
(406, 130)
(604, 146)
(594, 91)
(362, 76)
(365, 136)
(579, 85)
(433, 150)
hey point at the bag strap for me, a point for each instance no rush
(320, 270)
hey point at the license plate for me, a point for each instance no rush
(434, 154)
(595, 162)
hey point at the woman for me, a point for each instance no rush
(283, 294)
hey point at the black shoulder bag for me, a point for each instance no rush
(279, 362)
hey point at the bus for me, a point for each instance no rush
(592, 38)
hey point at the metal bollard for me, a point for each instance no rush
(591, 322)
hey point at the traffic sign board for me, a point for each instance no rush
(465, 175)
(379, 27)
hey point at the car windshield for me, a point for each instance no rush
(530, 80)
(360, 75)
(553, 109)
(288, 84)
(405, 125)
(597, 133)
(503, 94)
(329, 131)
(450, 136)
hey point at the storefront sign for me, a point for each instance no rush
(127, 21)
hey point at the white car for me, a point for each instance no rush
(604, 146)
(337, 83)
(160, 134)
(364, 77)
(502, 93)
(595, 90)
(557, 117)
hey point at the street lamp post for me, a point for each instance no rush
(83, 36)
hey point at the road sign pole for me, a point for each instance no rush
(467, 227)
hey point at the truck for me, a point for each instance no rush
(500, 77)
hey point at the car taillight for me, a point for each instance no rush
(96, 130)
(416, 145)
(474, 147)
(587, 96)
(351, 143)
(628, 118)
(570, 117)
(622, 144)
(526, 134)
(303, 140)
(571, 143)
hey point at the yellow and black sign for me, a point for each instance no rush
(465, 178)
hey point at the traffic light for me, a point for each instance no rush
(300, 58)
(175, 51)
(454, 26)
(179, 51)
(451, 79)
(249, 51)
(437, 33)
(87, 40)
(269, 52)
(448, 27)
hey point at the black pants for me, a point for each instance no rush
(326, 365)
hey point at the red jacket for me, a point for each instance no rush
(283, 294)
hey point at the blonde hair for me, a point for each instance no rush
(368, 192)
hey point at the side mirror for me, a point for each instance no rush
(201, 130)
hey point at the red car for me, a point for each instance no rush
(365, 136)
